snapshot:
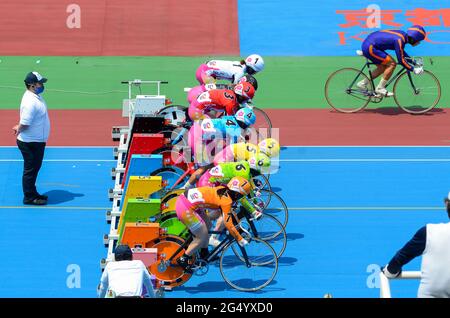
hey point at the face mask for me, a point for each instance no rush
(39, 90)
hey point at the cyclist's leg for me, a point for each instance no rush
(385, 65)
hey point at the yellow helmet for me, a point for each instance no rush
(240, 185)
(270, 147)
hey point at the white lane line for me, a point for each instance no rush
(366, 160)
(367, 208)
(72, 147)
(63, 160)
(332, 208)
(5, 207)
(330, 146)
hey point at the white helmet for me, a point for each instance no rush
(255, 62)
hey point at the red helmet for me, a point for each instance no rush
(245, 89)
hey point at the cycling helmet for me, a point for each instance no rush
(250, 79)
(123, 253)
(270, 147)
(259, 162)
(246, 90)
(416, 33)
(240, 185)
(246, 116)
(255, 62)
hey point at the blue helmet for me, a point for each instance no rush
(246, 116)
(416, 33)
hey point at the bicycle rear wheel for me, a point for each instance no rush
(342, 93)
(425, 97)
(169, 275)
(248, 275)
(171, 175)
(177, 114)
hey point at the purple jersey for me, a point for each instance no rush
(378, 42)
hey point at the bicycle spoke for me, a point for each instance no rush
(342, 93)
(251, 277)
(424, 98)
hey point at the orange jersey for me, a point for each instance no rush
(214, 198)
(220, 99)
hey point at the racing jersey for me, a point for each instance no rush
(390, 40)
(218, 99)
(226, 70)
(215, 198)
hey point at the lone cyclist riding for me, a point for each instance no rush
(374, 48)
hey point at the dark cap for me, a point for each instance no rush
(123, 252)
(34, 77)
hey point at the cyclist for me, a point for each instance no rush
(191, 208)
(229, 70)
(208, 135)
(196, 91)
(224, 172)
(214, 102)
(374, 48)
(244, 151)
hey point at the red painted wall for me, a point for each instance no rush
(120, 27)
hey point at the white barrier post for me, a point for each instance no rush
(385, 289)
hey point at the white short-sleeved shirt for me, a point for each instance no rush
(126, 278)
(34, 114)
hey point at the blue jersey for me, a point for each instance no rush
(388, 40)
(223, 127)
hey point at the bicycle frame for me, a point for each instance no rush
(391, 80)
(219, 248)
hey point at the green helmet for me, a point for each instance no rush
(259, 162)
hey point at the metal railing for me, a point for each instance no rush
(385, 288)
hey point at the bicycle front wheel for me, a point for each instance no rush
(342, 93)
(268, 229)
(263, 125)
(273, 204)
(248, 275)
(417, 94)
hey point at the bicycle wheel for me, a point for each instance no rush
(169, 275)
(172, 157)
(248, 275)
(170, 175)
(425, 97)
(177, 114)
(176, 133)
(263, 124)
(342, 93)
(262, 182)
(272, 204)
(268, 229)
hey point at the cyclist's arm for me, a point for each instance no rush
(401, 55)
(247, 205)
(230, 220)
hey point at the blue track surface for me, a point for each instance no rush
(350, 207)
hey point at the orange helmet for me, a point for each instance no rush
(245, 89)
(240, 185)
